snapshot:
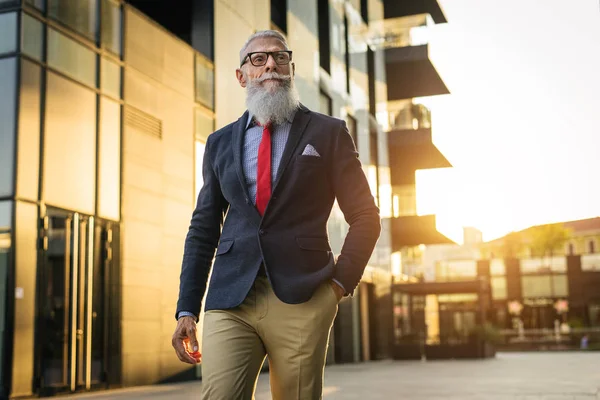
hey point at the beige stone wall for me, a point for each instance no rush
(158, 195)
(235, 21)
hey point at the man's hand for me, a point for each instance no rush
(339, 291)
(185, 342)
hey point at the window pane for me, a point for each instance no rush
(28, 160)
(5, 216)
(536, 286)
(80, 15)
(111, 78)
(8, 78)
(71, 58)
(7, 3)
(111, 26)
(39, 4)
(456, 270)
(497, 267)
(5, 245)
(8, 33)
(325, 104)
(499, 288)
(70, 145)
(32, 37)
(109, 159)
(205, 78)
(561, 285)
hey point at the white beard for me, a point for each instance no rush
(272, 104)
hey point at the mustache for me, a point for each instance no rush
(272, 75)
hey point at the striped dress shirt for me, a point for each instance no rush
(252, 139)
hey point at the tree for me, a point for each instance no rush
(547, 239)
(512, 245)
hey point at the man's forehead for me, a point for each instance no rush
(265, 44)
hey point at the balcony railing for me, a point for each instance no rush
(401, 32)
(455, 270)
(536, 265)
(407, 115)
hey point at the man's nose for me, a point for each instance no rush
(271, 65)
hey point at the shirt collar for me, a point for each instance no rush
(250, 122)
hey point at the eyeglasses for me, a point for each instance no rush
(259, 58)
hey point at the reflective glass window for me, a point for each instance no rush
(205, 81)
(8, 32)
(5, 216)
(111, 26)
(39, 4)
(560, 285)
(109, 162)
(536, 286)
(32, 37)
(72, 58)
(5, 245)
(497, 267)
(8, 78)
(110, 78)
(69, 166)
(28, 159)
(79, 15)
(499, 290)
(8, 3)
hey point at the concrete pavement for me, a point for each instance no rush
(510, 376)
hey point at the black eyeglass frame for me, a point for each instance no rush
(268, 53)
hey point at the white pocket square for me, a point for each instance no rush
(309, 150)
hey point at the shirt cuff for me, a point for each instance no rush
(339, 284)
(186, 314)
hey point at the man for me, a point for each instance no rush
(270, 181)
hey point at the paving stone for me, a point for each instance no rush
(509, 376)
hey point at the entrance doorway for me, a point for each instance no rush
(73, 283)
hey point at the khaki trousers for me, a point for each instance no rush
(294, 336)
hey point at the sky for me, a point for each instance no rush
(522, 125)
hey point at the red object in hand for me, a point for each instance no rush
(196, 355)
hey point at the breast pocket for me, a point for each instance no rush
(310, 160)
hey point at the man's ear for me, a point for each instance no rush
(240, 77)
(293, 69)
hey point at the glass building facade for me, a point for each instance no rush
(105, 111)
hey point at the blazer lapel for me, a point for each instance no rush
(299, 124)
(238, 147)
(237, 144)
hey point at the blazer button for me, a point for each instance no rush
(261, 232)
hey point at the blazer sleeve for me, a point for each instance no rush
(360, 211)
(202, 239)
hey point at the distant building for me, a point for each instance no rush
(583, 238)
(569, 271)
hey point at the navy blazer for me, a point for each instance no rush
(291, 238)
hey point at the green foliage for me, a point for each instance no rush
(487, 332)
(546, 240)
(512, 245)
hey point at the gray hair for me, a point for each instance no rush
(263, 34)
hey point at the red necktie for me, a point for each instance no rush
(263, 181)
